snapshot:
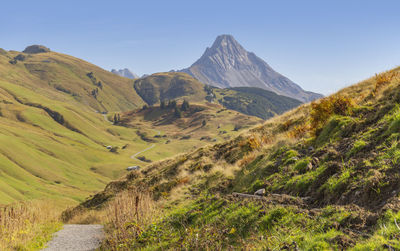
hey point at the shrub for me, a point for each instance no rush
(322, 110)
(299, 131)
(286, 125)
(247, 159)
(383, 78)
(254, 143)
(114, 149)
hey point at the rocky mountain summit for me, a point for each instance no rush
(227, 64)
(125, 73)
(34, 49)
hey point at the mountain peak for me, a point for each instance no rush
(225, 39)
(225, 44)
(227, 64)
(125, 73)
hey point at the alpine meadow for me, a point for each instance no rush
(165, 125)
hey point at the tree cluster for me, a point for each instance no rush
(117, 118)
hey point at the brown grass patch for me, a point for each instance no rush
(27, 224)
(323, 109)
(127, 216)
(382, 79)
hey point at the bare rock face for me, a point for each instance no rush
(125, 73)
(227, 64)
(34, 49)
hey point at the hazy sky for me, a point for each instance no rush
(321, 45)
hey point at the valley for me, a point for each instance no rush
(327, 170)
(177, 161)
(56, 110)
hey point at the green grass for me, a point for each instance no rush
(43, 158)
(254, 101)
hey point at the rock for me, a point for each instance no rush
(34, 49)
(309, 166)
(315, 161)
(20, 57)
(260, 192)
(132, 168)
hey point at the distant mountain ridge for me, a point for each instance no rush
(248, 100)
(227, 64)
(125, 73)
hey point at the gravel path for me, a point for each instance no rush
(76, 238)
(136, 154)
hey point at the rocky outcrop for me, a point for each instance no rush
(34, 49)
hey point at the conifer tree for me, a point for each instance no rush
(185, 105)
(177, 113)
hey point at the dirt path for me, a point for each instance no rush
(76, 238)
(148, 148)
(106, 118)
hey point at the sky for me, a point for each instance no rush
(321, 45)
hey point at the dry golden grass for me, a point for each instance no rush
(248, 158)
(384, 78)
(28, 225)
(299, 131)
(127, 215)
(323, 109)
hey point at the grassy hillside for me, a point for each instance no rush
(255, 101)
(68, 79)
(198, 125)
(329, 170)
(167, 86)
(53, 138)
(248, 100)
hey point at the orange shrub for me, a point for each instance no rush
(247, 159)
(323, 109)
(299, 131)
(286, 125)
(383, 78)
(254, 143)
(183, 180)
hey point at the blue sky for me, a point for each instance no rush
(321, 45)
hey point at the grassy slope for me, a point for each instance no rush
(255, 101)
(168, 86)
(220, 125)
(44, 72)
(330, 188)
(40, 157)
(252, 101)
